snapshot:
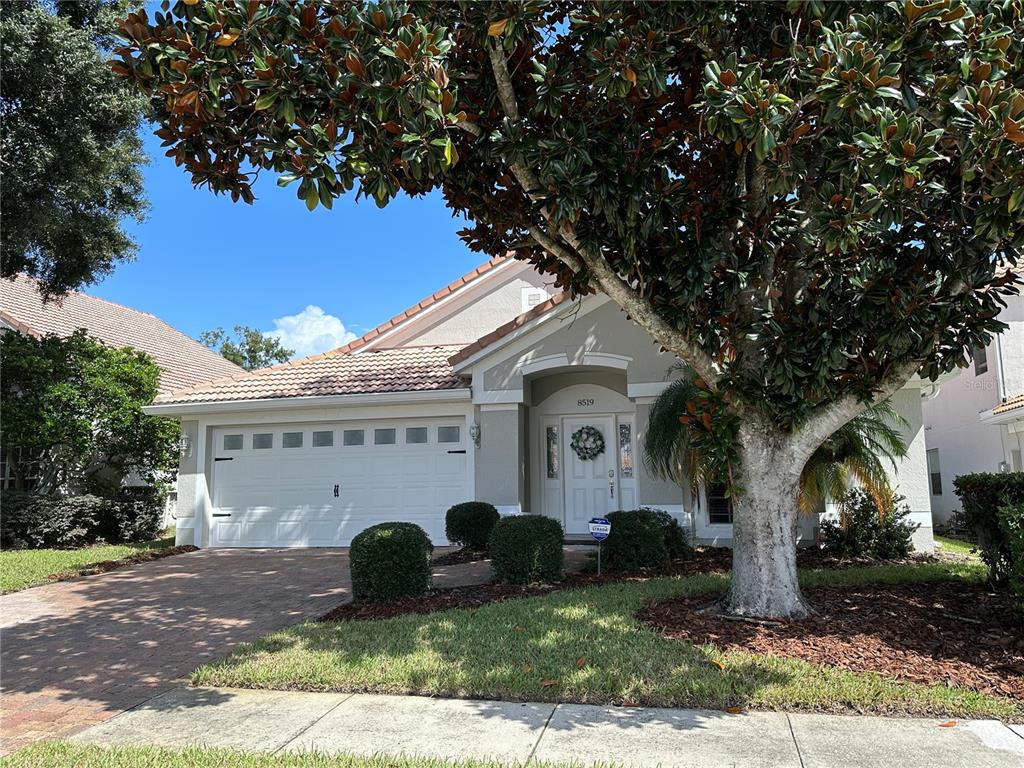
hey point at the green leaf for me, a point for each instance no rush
(312, 196)
(266, 100)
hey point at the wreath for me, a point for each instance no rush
(587, 443)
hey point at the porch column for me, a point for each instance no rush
(501, 457)
(910, 477)
(652, 491)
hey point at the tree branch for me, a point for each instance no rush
(566, 248)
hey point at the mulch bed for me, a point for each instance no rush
(953, 633)
(703, 560)
(460, 557)
(112, 565)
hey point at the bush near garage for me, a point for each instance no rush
(636, 541)
(869, 527)
(470, 523)
(67, 522)
(1011, 522)
(390, 561)
(982, 495)
(527, 548)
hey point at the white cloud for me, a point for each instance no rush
(311, 331)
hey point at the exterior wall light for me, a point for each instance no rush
(185, 447)
(474, 434)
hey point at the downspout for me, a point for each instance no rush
(1001, 377)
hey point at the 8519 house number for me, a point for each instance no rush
(585, 402)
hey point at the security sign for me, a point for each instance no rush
(600, 528)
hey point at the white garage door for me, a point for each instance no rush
(318, 485)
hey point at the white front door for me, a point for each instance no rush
(591, 485)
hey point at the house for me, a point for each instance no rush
(474, 393)
(183, 361)
(975, 422)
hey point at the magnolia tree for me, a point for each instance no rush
(807, 203)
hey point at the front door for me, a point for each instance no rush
(591, 485)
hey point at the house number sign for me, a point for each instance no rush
(585, 402)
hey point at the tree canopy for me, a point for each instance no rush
(72, 413)
(69, 146)
(248, 347)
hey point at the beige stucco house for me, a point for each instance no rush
(474, 393)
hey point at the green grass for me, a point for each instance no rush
(508, 650)
(24, 568)
(956, 546)
(62, 754)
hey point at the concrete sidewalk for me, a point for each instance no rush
(272, 721)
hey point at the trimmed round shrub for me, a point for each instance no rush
(527, 548)
(677, 542)
(390, 561)
(470, 523)
(637, 541)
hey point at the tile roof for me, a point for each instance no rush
(416, 309)
(185, 362)
(1010, 404)
(512, 325)
(403, 369)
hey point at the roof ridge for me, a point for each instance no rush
(505, 328)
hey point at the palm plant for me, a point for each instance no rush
(676, 449)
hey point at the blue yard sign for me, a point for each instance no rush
(599, 529)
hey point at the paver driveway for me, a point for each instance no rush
(76, 653)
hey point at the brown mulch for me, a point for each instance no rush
(460, 557)
(112, 565)
(703, 560)
(952, 633)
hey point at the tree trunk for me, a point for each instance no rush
(765, 516)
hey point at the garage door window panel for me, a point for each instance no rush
(263, 441)
(352, 437)
(323, 439)
(384, 436)
(291, 440)
(449, 434)
(232, 442)
(416, 435)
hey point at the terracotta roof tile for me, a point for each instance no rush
(184, 361)
(403, 369)
(414, 310)
(1010, 404)
(512, 325)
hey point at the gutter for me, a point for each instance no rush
(458, 395)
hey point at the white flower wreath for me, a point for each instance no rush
(587, 443)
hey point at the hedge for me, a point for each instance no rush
(864, 530)
(1011, 523)
(982, 495)
(390, 561)
(470, 523)
(67, 522)
(527, 548)
(636, 541)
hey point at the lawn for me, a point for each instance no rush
(956, 546)
(23, 568)
(586, 646)
(62, 754)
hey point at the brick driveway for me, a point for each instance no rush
(76, 653)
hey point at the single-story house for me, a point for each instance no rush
(183, 361)
(473, 393)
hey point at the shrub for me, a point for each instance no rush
(865, 530)
(470, 524)
(389, 561)
(637, 540)
(677, 541)
(526, 548)
(32, 522)
(1011, 523)
(982, 495)
(134, 514)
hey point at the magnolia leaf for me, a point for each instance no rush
(527, 669)
(549, 683)
(948, 724)
(266, 100)
(581, 662)
(735, 710)
(496, 28)
(228, 38)
(717, 663)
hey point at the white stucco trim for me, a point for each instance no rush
(646, 389)
(491, 407)
(545, 363)
(508, 510)
(1009, 417)
(321, 401)
(496, 396)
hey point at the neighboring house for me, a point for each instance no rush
(474, 393)
(975, 423)
(183, 361)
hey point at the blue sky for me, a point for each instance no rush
(205, 262)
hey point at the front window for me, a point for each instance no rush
(551, 451)
(626, 450)
(719, 505)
